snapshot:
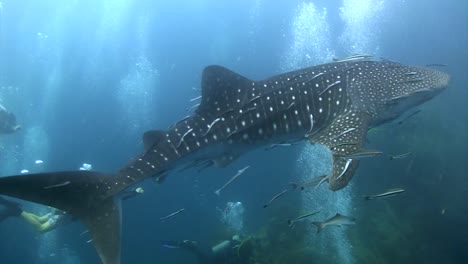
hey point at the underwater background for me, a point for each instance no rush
(86, 78)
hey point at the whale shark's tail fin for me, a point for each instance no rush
(83, 194)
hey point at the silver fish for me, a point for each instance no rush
(312, 181)
(192, 107)
(363, 153)
(354, 57)
(436, 65)
(272, 146)
(172, 215)
(196, 98)
(58, 185)
(389, 192)
(300, 218)
(218, 192)
(408, 117)
(337, 220)
(275, 197)
(343, 144)
(400, 156)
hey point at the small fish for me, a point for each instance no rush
(343, 144)
(182, 138)
(400, 156)
(324, 179)
(410, 73)
(348, 162)
(275, 197)
(24, 171)
(89, 241)
(312, 181)
(172, 215)
(39, 162)
(387, 60)
(408, 117)
(58, 185)
(389, 192)
(211, 125)
(178, 244)
(218, 192)
(170, 244)
(272, 146)
(354, 57)
(299, 218)
(436, 65)
(363, 153)
(344, 132)
(442, 212)
(192, 107)
(413, 80)
(196, 98)
(329, 86)
(337, 220)
(207, 164)
(84, 232)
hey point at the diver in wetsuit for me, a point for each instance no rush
(51, 220)
(225, 252)
(7, 121)
(10, 209)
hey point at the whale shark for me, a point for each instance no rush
(332, 104)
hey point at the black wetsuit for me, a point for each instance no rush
(228, 256)
(9, 209)
(7, 122)
(12, 209)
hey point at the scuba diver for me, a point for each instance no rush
(7, 121)
(225, 252)
(51, 220)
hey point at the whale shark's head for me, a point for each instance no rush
(386, 90)
(417, 84)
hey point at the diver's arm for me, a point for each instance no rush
(202, 257)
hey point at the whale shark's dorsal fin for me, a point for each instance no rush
(152, 137)
(223, 90)
(79, 193)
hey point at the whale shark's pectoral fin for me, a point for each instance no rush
(344, 136)
(79, 193)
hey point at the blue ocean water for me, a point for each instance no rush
(86, 78)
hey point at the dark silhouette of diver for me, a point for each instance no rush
(7, 122)
(225, 252)
(51, 220)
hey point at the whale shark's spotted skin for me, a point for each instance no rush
(331, 104)
(328, 104)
